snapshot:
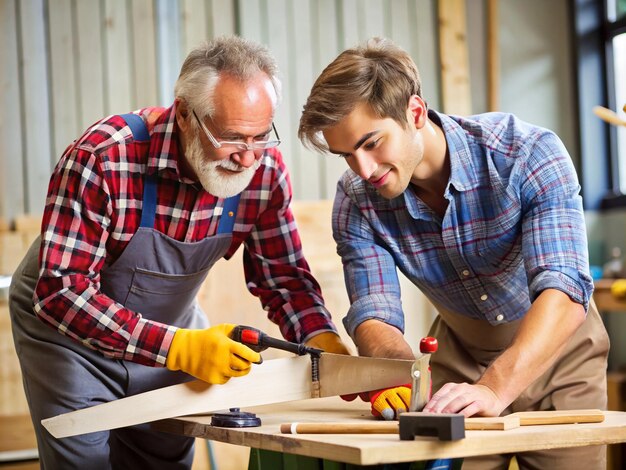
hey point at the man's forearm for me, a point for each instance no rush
(547, 327)
(377, 339)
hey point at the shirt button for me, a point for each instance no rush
(465, 272)
(500, 317)
(484, 297)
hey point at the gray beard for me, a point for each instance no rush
(213, 180)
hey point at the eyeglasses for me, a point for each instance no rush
(238, 144)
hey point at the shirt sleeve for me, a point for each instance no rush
(554, 233)
(276, 270)
(75, 230)
(369, 268)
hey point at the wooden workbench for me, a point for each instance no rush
(371, 449)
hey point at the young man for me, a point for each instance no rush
(139, 208)
(483, 215)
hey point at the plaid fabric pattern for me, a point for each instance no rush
(94, 207)
(513, 228)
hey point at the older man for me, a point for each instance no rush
(139, 208)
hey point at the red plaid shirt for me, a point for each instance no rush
(94, 207)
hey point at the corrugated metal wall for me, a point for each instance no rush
(66, 63)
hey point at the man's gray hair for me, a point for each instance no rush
(233, 55)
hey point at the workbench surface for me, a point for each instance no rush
(370, 449)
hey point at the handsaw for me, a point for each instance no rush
(274, 381)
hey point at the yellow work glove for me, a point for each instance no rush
(618, 289)
(210, 354)
(390, 402)
(328, 342)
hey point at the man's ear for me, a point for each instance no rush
(182, 113)
(417, 111)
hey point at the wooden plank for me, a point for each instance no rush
(373, 449)
(276, 381)
(63, 72)
(534, 418)
(12, 184)
(503, 423)
(91, 89)
(191, 398)
(36, 111)
(455, 76)
(144, 54)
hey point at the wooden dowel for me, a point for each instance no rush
(374, 427)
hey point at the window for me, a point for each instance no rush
(599, 28)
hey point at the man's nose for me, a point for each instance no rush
(245, 158)
(363, 165)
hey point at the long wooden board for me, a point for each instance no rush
(512, 421)
(275, 381)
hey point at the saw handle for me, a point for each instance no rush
(258, 341)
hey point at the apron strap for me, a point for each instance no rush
(141, 134)
(229, 214)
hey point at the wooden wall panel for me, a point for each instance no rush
(63, 86)
(143, 32)
(195, 24)
(89, 28)
(83, 60)
(35, 110)
(12, 183)
(119, 79)
(222, 18)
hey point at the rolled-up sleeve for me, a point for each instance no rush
(369, 268)
(554, 231)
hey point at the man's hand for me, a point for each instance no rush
(328, 342)
(210, 354)
(467, 399)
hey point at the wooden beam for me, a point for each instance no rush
(453, 53)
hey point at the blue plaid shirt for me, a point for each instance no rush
(513, 228)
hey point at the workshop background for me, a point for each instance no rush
(67, 63)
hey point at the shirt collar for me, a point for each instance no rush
(463, 174)
(165, 154)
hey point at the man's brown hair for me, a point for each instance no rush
(378, 73)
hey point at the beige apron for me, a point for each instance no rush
(577, 380)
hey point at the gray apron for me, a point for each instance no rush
(156, 276)
(577, 380)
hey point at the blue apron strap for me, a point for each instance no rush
(137, 126)
(229, 214)
(141, 134)
(148, 211)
